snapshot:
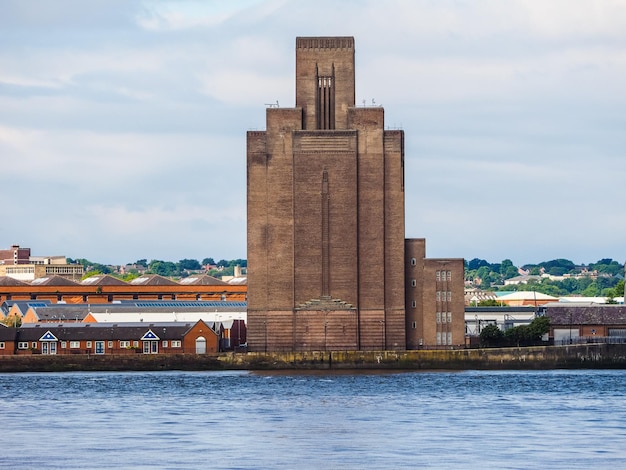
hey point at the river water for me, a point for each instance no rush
(314, 420)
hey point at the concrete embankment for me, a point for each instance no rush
(588, 356)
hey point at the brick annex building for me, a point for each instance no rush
(328, 265)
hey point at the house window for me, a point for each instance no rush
(413, 283)
(63, 344)
(34, 345)
(449, 317)
(437, 295)
(449, 275)
(443, 317)
(413, 261)
(450, 338)
(413, 304)
(165, 343)
(438, 275)
(449, 296)
(414, 325)
(88, 344)
(74, 344)
(175, 343)
(136, 344)
(110, 344)
(438, 317)
(1, 344)
(22, 345)
(438, 338)
(124, 344)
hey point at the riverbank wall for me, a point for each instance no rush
(585, 356)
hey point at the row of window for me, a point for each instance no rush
(64, 269)
(443, 276)
(20, 270)
(443, 317)
(76, 344)
(444, 338)
(443, 296)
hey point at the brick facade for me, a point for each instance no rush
(325, 215)
(326, 247)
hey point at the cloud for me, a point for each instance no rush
(122, 123)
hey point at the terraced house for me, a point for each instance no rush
(99, 338)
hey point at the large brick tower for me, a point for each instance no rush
(325, 215)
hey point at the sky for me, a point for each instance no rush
(123, 122)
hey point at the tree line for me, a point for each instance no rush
(179, 269)
(609, 281)
(523, 335)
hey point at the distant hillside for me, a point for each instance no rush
(558, 277)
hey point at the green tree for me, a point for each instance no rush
(189, 264)
(206, 261)
(491, 336)
(91, 266)
(12, 321)
(607, 266)
(616, 291)
(476, 263)
(91, 273)
(163, 268)
(538, 327)
(528, 335)
(483, 273)
(591, 290)
(516, 336)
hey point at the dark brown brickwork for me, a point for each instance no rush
(325, 215)
(434, 299)
(326, 247)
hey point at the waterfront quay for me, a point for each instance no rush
(583, 356)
